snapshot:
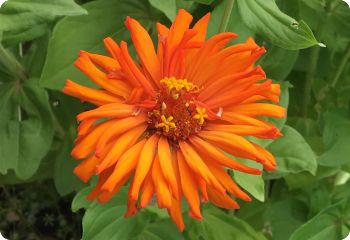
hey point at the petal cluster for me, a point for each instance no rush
(173, 121)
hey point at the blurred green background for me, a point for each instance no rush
(308, 50)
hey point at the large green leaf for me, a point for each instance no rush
(235, 23)
(107, 221)
(336, 137)
(26, 19)
(253, 184)
(26, 127)
(106, 18)
(285, 216)
(293, 154)
(328, 224)
(266, 19)
(278, 62)
(216, 225)
(168, 7)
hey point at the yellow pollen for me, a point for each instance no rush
(201, 115)
(176, 84)
(166, 123)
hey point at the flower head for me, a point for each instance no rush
(168, 121)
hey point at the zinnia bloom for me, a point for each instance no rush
(170, 120)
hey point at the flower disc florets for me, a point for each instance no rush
(176, 115)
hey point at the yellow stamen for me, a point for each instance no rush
(176, 84)
(201, 115)
(166, 123)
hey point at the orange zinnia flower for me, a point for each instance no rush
(168, 120)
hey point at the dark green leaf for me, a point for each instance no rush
(106, 18)
(216, 225)
(327, 224)
(25, 126)
(292, 153)
(168, 7)
(266, 19)
(235, 23)
(26, 19)
(278, 62)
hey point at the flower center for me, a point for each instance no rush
(176, 115)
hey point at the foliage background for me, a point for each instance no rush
(308, 197)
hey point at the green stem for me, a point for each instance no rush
(340, 69)
(11, 64)
(310, 76)
(227, 13)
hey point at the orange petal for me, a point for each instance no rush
(165, 159)
(114, 86)
(87, 144)
(201, 27)
(175, 213)
(227, 181)
(119, 127)
(124, 142)
(259, 109)
(219, 157)
(197, 165)
(127, 163)
(94, 96)
(178, 28)
(107, 63)
(237, 144)
(113, 110)
(268, 132)
(96, 191)
(147, 191)
(86, 168)
(144, 164)
(161, 186)
(189, 187)
(144, 48)
(221, 200)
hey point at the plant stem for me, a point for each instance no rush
(227, 13)
(340, 69)
(11, 64)
(310, 76)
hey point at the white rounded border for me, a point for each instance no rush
(2, 2)
(347, 2)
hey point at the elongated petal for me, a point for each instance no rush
(123, 143)
(163, 194)
(165, 159)
(144, 47)
(188, 185)
(212, 152)
(197, 165)
(144, 164)
(125, 165)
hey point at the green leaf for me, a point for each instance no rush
(216, 225)
(235, 23)
(26, 127)
(336, 138)
(80, 200)
(266, 19)
(328, 224)
(292, 158)
(278, 62)
(305, 179)
(106, 221)
(106, 18)
(27, 19)
(253, 184)
(168, 7)
(65, 180)
(285, 216)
